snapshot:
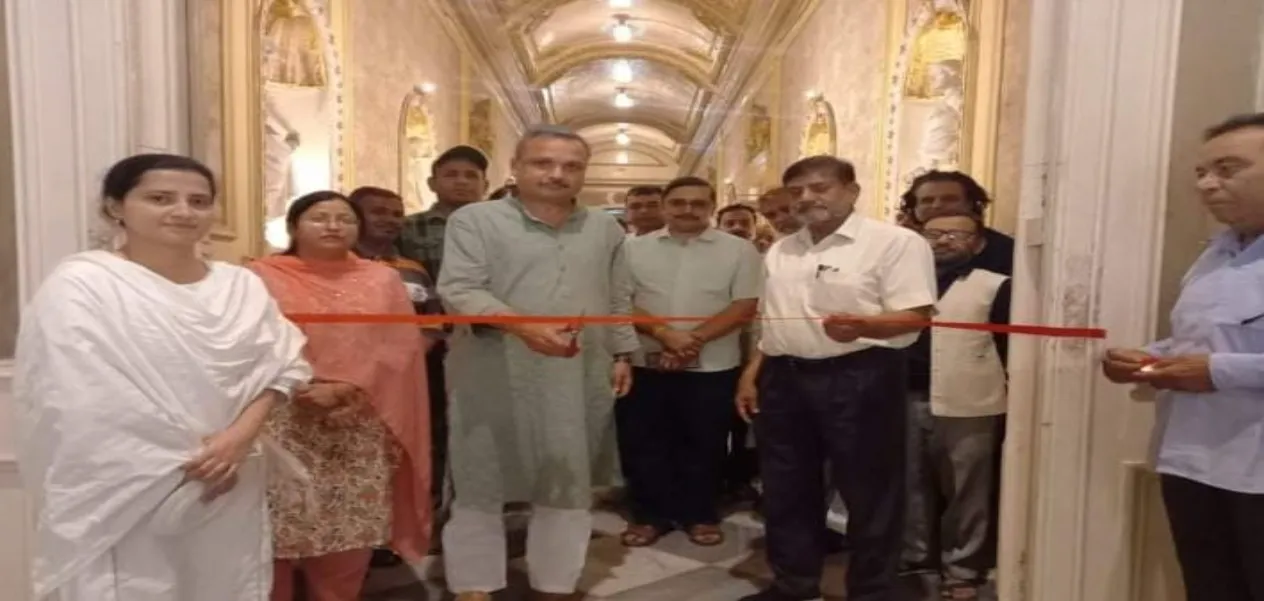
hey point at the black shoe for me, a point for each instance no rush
(915, 569)
(772, 594)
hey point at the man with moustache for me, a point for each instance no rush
(776, 207)
(458, 177)
(643, 209)
(532, 403)
(831, 388)
(936, 193)
(1210, 377)
(674, 427)
(957, 386)
(383, 221)
(737, 219)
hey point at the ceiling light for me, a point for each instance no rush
(622, 100)
(621, 71)
(621, 158)
(427, 87)
(620, 3)
(621, 31)
(622, 138)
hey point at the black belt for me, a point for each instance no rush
(861, 357)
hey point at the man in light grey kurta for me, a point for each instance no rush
(526, 426)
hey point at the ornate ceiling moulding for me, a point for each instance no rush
(475, 25)
(769, 27)
(558, 63)
(528, 15)
(661, 156)
(671, 130)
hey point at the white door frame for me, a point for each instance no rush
(1090, 232)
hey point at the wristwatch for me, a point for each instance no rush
(623, 357)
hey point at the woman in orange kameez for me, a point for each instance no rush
(362, 427)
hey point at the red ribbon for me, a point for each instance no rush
(582, 320)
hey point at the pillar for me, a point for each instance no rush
(88, 82)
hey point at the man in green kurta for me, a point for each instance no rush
(532, 404)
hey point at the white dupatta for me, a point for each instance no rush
(120, 374)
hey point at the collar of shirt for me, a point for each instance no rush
(577, 212)
(1230, 244)
(849, 229)
(432, 215)
(708, 235)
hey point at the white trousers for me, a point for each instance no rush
(475, 553)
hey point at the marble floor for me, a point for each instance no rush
(673, 569)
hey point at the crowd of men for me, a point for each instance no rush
(819, 346)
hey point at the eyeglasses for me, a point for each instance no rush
(341, 221)
(949, 235)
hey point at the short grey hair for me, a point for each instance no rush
(550, 131)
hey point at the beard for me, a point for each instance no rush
(953, 262)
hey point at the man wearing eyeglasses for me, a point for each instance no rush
(957, 386)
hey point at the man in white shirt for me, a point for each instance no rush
(842, 297)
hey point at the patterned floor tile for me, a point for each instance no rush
(673, 569)
(746, 519)
(738, 542)
(754, 564)
(608, 522)
(706, 584)
(392, 578)
(613, 568)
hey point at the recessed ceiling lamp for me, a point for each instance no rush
(621, 71)
(621, 31)
(622, 100)
(622, 138)
(620, 3)
(621, 158)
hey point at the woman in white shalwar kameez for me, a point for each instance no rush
(144, 378)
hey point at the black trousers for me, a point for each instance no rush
(851, 411)
(1219, 536)
(741, 465)
(673, 430)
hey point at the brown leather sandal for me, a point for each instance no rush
(641, 535)
(957, 590)
(706, 535)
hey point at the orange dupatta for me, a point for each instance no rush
(386, 361)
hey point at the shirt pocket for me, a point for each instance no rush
(714, 281)
(839, 292)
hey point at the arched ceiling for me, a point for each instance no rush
(689, 61)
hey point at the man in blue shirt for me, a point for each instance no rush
(1210, 374)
